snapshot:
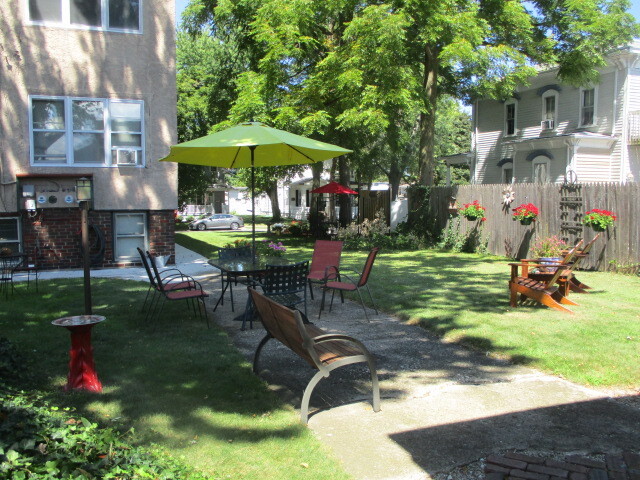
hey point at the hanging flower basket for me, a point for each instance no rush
(473, 211)
(526, 213)
(598, 219)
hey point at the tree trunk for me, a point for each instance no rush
(272, 192)
(428, 116)
(395, 175)
(332, 197)
(344, 200)
(316, 217)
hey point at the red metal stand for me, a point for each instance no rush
(82, 373)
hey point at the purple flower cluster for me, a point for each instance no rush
(278, 247)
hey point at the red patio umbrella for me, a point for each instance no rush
(334, 187)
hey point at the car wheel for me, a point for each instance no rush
(234, 226)
(202, 226)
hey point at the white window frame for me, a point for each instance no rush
(66, 18)
(545, 114)
(109, 149)
(595, 106)
(503, 174)
(515, 118)
(117, 236)
(541, 160)
(3, 243)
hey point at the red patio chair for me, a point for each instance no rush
(167, 278)
(166, 286)
(350, 285)
(326, 254)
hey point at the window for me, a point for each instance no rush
(130, 233)
(510, 118)
(541, 170)
(76, 131)
(119, 15)
(507, 172)
(587, 106)
(298, 199)
(10, 234)
(306, 198)
(549, 110)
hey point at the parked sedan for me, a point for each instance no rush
(219, 220)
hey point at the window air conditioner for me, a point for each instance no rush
(547, 124)
(125, 156)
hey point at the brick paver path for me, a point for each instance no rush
(515, 466)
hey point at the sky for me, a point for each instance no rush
(181, 4)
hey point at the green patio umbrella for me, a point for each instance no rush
(250, 145)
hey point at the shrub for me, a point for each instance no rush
(299, 228)
(375, 233)
(470, 242)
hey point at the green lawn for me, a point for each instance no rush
(178, 384)
(465, 298)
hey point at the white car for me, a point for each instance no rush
(218, 220)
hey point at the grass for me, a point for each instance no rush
(464, 298)
(177, 383)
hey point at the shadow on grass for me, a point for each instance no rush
(172, 374)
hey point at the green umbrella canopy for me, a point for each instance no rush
(252, 144)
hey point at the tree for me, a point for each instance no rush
(205, 95)
(486, 48)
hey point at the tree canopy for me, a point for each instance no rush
(374, 76)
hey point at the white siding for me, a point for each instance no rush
(595, 167)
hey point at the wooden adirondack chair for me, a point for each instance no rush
(543, 274)
(545, 292)
(574, 284)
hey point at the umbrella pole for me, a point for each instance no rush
(253, 202)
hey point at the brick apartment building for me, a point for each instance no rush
(87, 91)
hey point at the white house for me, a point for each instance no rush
(549, 131)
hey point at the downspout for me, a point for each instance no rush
(616, 117)
(474, 144)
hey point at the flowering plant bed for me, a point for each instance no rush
(599, 219)
(268, 248)
(473, 211)
(525, 213)
(548, 247)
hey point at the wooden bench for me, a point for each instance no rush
(323, 351)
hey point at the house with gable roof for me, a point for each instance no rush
(550, 132)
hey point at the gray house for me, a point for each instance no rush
(550, 131)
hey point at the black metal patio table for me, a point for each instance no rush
(251, 268)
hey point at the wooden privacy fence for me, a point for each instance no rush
(561, 210)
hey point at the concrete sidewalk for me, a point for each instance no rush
(445, 408)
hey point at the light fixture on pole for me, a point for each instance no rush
(84, 192)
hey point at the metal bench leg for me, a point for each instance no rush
(258, 350)
(304, 406)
